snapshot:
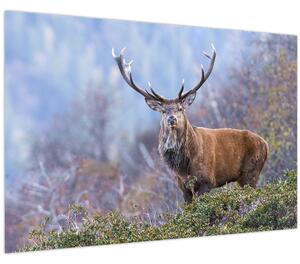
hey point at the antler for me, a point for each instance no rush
(204, 76)
(125, 69)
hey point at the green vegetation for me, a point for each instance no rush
(223, 211)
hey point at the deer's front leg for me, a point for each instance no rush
(203, 188)
(187, 194)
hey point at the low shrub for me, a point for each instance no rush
(222, 211)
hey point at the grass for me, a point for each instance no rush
(224, 211)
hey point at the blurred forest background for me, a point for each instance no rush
(76, 134)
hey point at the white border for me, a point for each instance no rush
(255, 15)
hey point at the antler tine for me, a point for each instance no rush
(204, 76)
(159, 97)
(125, 69)
(181, 90)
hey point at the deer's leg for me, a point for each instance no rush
(249, 178)
(199, 190)
(251, 172)
(253, 165)
(203, 188)
(187, 196)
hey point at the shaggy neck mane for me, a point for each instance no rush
(176, 146)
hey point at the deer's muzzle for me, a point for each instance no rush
(172, 121)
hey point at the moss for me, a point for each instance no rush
(224, 211)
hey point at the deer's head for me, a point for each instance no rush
(172, 110)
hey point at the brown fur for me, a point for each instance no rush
(208, 158)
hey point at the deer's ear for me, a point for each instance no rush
(187, 101)
(155, 105)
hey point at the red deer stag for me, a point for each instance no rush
(201, 158)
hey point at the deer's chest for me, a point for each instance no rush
(177, 161)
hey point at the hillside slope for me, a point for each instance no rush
(223, 211)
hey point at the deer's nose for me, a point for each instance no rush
(172, 120)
